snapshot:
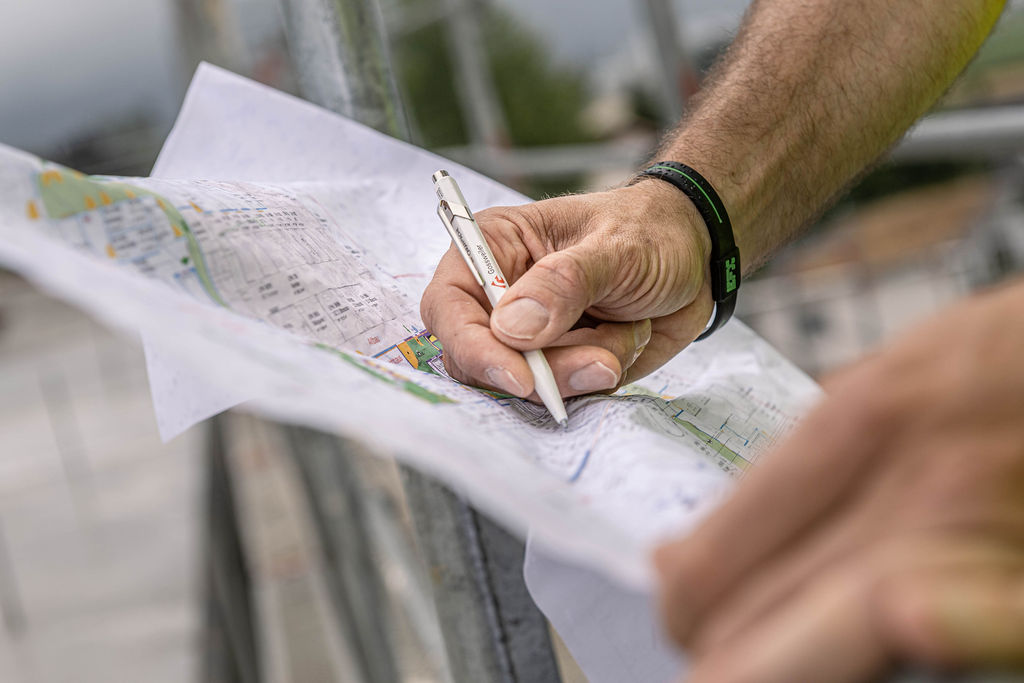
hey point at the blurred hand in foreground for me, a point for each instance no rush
(889, 526)
(634, 260)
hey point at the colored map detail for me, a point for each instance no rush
(66, 194)
(421, 350)
(721, 434)
(717, 446)
(263, 251)
(388, 377)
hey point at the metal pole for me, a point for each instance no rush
(342, 60)
(983, 134)
(230, 648)
(670, 59)
(493, 631)
(473, 83)
(343, 63)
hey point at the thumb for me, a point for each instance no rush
(551, 296)
(957, 620)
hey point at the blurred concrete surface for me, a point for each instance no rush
(99, 521)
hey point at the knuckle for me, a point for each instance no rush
(453, 370)
(907, 622)
(562, 275)
(512, 236)
(428, 309)
(510, 220)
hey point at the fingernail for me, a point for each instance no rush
(521, 319)
(593, 377)
(641, 333)
(641, 337)
(504, 380)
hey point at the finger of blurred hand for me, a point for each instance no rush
(957, 619)
(453, 309)
(830, 540)
(941, 600)
(809, 475)
(824, 635)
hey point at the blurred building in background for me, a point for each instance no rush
(101, 526)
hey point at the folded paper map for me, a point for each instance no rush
(279, 259)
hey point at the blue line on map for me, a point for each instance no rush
(579, 470)
(130, 228)
(148, 254)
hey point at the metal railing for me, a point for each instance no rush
(492, 629)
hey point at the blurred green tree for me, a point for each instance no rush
(542, 100)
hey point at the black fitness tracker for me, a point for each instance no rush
(725, 256)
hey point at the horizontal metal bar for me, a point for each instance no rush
(553, 161)
(986, 133)
(975, 134)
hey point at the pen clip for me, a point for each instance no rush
(447, 215)
(460, 210)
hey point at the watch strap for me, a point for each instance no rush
(725, 255)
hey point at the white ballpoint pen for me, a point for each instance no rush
(465, 232)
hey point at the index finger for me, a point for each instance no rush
(456, 311)
(811, 475)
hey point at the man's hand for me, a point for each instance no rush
(782, 124)
(637, 253)
(890, 526)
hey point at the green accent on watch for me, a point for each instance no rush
(695, 183)
(730, 275)
(724, 258)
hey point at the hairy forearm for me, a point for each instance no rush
(813, 91)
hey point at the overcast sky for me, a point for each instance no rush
(586, 29)
(69, 66)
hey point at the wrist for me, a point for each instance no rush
(725, 262)
(736, 178)
(662, 204)
(676, 227)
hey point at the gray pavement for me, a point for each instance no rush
(99, 521)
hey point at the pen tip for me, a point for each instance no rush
(564, 423)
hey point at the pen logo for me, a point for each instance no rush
(499, 282)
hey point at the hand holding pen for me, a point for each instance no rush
(630, 262)
(469, 239)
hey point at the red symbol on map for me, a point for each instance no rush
(498, 282)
